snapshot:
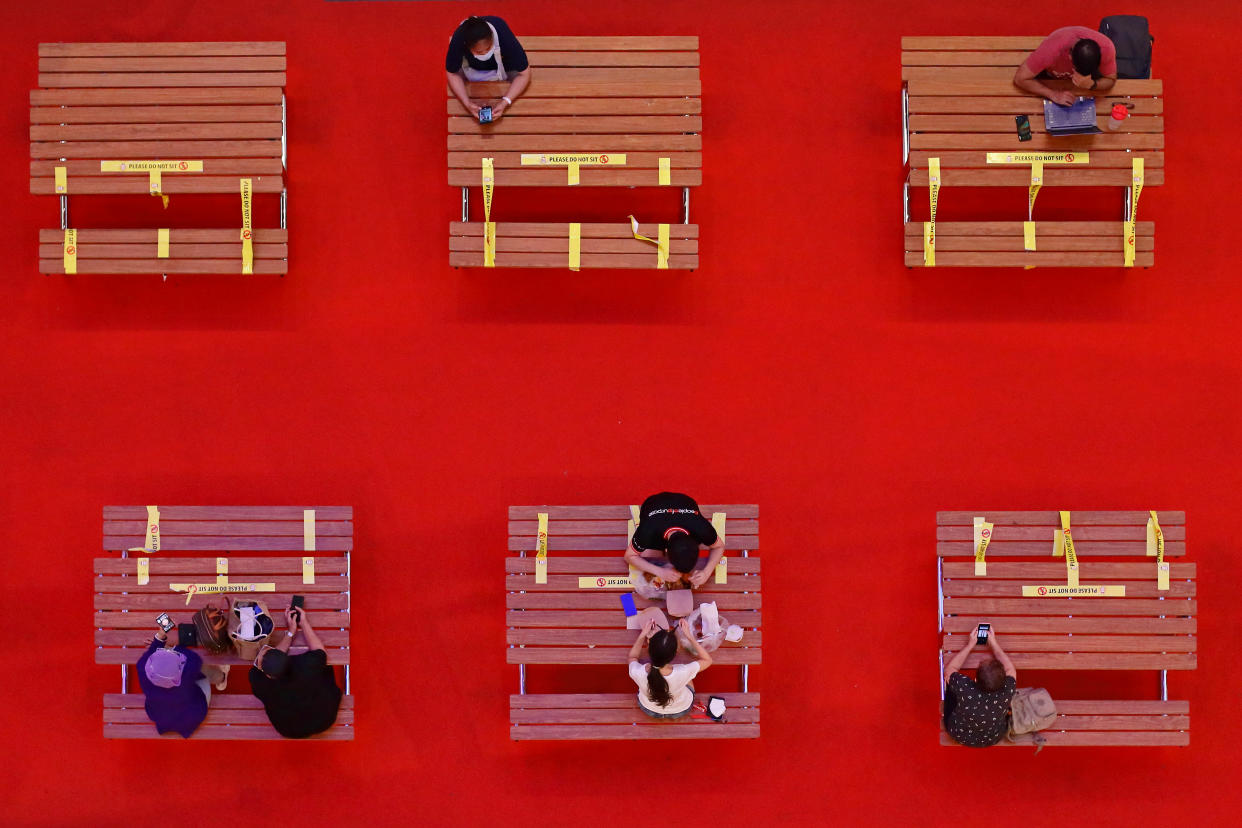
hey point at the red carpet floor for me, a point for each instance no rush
(802, 368)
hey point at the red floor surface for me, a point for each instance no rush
(802, 368)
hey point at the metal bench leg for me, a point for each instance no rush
(1164, 685)
(905, 124)
(521, 667)
(347, 609)
(685, 205)
(1125, 210)
(64, 212)
(905, 204)
(940, 618)
(465, 204)
(124, 680)
(745, 667)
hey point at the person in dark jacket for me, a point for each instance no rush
(485, 49)
(177, 692)
(298, 692)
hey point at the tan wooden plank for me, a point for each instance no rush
(47, 50)
(596, 701)
(1092, 661)
(1105, 723)
(1001, 83)
(1019, 104)
(472, 161)
(606, 715)
(229, 543)
(160, 583)
(119, 150)
(265, 235)
(1056, 569)
(175, 513)
(956, 57)
(975, 42)
(1021, 177)
(546, 58)
(156, 96)
(615, 565)
(175, 601)
(341, 528)
(588, 260)
(323, 619)
(130, 655)
(141, 638)
(967, 588)
(1078, 625)
(519, 124)
(1097, 739)
(171, 184)
(111, 80)
(575, 143)
(589, 231)
(1086, 517)
(1131, 707)
(1001, 123)
(545, 87)
(673, 43)
(580, 543)
(599, 106)
(1100, 159)
(748, 619)
(1084, 643)
(556, 513)
(239, 167)
(1042, 548)
(616, 655)
(1062, 606)
(537, 636)
(1037, 259)
(153, 114)
(508, 244)
(608, 599)
(1046, 228)
(220, 701)
(588, 177)
(215, 716)
(1017, 244)
(604, 75)
(154, 132)
(670, 729)
(1040, 141)
(175, 251)
(124, 266)
(177, 63)
(569, 583)
(220, 732)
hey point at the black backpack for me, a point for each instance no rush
(1129, 33)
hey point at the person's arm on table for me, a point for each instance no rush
(1025, 80)
(717, 550)
(959, 658)
(313, 642)
(641, 641)
(635, 559)
(1000, 655)
(516, 87)
(703, 657)
(457, 85)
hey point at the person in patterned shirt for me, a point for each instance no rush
(976, 711)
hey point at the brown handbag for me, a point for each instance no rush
(212, 626)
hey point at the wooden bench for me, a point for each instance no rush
(634, 96)
(959, 104)
(218, 104)
(560, 623)
(258, 544)
(189, 251)
(1148, 629)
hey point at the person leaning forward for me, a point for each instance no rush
(1075, 53)
(298, 692)
(976, 711)
(485, 49)
(672, 524)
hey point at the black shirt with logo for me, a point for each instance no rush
(665, 512)
(973, 716)
(304, 700)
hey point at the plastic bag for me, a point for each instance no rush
(707, 642)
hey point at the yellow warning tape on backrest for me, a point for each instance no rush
(1028, 236)
(983, 537)
(71, 250)
(609, 582)
(246, 232)
(661, 243)
(1042, 157)
(1128, 227)
(62, 180)
(1074, 591)
(155, 184)
(575, 245)
(489, 229)
(541, 550)
(1067, 548)
(583, 159)
(222, 571)
(666, 171)
(151, 541)
(308, 530)
(151, 166)
(1037, 181)
(572, 169)
(217, 589)
(929, 227)
(161, 243)
(308, 570)
(719, 520)
(144, 571)
(1155, 546)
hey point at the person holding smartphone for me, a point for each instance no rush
(298, 692)
(976, 711)
(485, 49)
(171, 677)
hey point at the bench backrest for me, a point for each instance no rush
(261, 544)
(562, 623)
(637, 96)
(219, 103)
(1148, 629)
(962, 104)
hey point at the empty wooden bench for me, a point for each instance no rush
(633, 104)
(247, 545)
(189, 251)
(205, 116)
(564, 623)
(958, 106)
(1146, 630)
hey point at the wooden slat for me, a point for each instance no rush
(616, 655)
(1077, 625)
(237, 716)
(1063, 606)
(1040, 141)
(672, 729)
(962, 587)
(1041, 548)
(545, 58)
(575, 143)
(545, 87)
(748, 619)
(170, 63)
(220, 732)
(230, 543)
(588, 260)
(219, 701)
(589, 231)
(323, 528)
(156, 96)
(236, 167)
(1036, 259)
(586, 715)
(676, 43)
(1092, 661)
(141, 639)
(604, 701)
(615, 565)
(955, 57)
(959, 85)
(1018, 104)
(1021, 177)
(578, 543)
(542, 244)
(556, 513)
(518, 124)
(161, 583)
(110, 80)
(1017, 243)
(118, 620)
(1003, 123)
(272, 235)
(175, 251)
(47, 50)
(134, 266)
(1056, 569)
(569, 583)
(171, 184)
(1096, 739)
(537, 636)
(153, 114)
(513, 160)
(1105, 159)
(974, 42)
(1089, 517)
(176, 513)
(588, 177)
(1085, 643)
(119, 150)
(609, 599)
(600, 106)
(155, 132)
(130, 655)
(175, 601)
(1122, 707)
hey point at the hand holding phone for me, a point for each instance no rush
(164, 622)
(984, 630)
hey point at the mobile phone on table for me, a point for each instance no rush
(984, 631)
(187, 635)
(164, 622)
(1024, 127)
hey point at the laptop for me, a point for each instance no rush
(1077, 119)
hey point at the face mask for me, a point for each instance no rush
(488, 55)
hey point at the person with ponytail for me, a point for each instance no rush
(485, 49)
(664, 688)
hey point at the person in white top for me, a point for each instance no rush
(664, 689)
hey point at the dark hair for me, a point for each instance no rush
(662, 647)
(683, 552)
(275, 663)
(991, 675)
(474, 29)
(1086, 56)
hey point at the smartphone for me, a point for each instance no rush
(296, 606)
(984, 630)
(1024, 127)
(627, 604)
(187, 635)
(485, 115)
(164, 622)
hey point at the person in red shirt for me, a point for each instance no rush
(1076, 53)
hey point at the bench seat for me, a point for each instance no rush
(204, 250)
(565, 716)
(231, 715)
(527, 244)
(1001, 244)
(1117, 723)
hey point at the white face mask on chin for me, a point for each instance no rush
(488, 55)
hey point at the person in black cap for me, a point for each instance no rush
(298, 692)
(671, 523)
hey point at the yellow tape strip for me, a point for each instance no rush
(144, 571)
(666, 171)
(489, 244)
(489, 181)
(629, 539)
(929, 228)
(247, 245)
(588, 582)
(151, 166)
(1037, 181)
(161, 243)
(572, 169)
(308, 570)
(722, 566)
(1074, 591)
(151, 543)
(1071, 558)
(222, 571)
(156, 186)
(308, 530)
(575, 245)
(983, 537)
(215, 589)
(541, 550)
(1128, 227)
(62, 181)
(1155, 546)
(662, 249)
(590, 159)
(1043, 157)
(71, 251)
(1028, 236)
